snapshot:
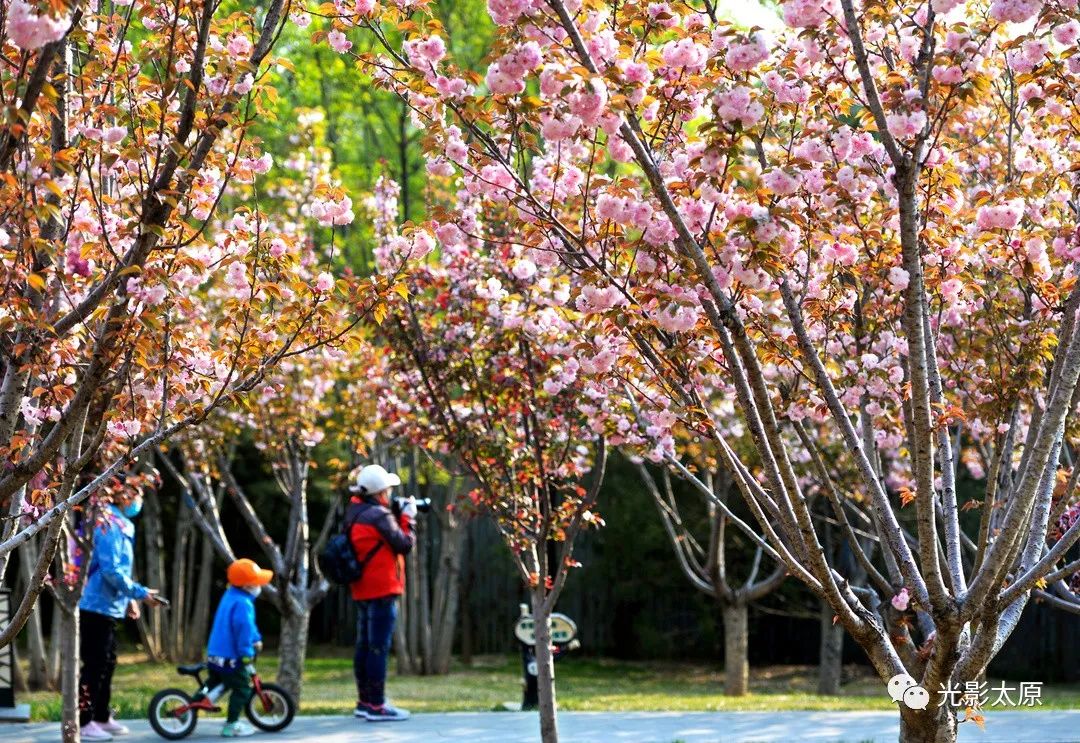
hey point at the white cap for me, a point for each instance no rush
(374, 479)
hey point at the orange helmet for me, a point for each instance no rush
(247, 572)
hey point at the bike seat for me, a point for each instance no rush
(193, 669)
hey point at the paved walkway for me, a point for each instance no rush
(620, 727)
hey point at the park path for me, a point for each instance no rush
(616, 727)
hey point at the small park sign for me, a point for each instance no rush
(563, 629)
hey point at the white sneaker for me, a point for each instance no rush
(94, 731)
(238, 729)
(113, 727)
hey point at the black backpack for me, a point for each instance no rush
(338, 561)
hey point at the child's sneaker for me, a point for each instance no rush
(112, 727)
(384, 713)
(362, 709)
(238, 729)
(94, 731)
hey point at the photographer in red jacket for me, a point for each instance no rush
(381, 541)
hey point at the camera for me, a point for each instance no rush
(423, 505)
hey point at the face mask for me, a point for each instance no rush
(253, 590)
(132, 509)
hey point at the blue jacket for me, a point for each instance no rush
(109, 587)
(234, 633)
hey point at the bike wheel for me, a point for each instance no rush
(164, 718)
(271, 711)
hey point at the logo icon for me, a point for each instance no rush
(904, 690)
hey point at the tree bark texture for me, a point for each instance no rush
(736, 643)
(831, 656)
(545, 669)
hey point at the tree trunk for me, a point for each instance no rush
(55, 641)
(154, 560)
(178, 609)
(401, 644)
(736, 640)
(831, 655)
(18, 678)
(447, 596)
(292, 651)
(465, 599)
(932, 725)
(38, 671)
(545, 669)
(69, 673)
(413, 587)
(198, 627)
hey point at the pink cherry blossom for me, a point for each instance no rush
(76, 264)
(1004, 216)
(1015, 11)
(29, 29)
(898, 278)
(781, 182)
(324, 282)
(746, 54)
(338, 41)
(524, 269)
(809, 13)
(1067, 33)
(685, 54)
(239, 46)
(738, 105)
(114, 134)
(333, 211)
(905, 125)
(901, 600)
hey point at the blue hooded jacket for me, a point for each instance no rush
(109, 587)
(234, 633)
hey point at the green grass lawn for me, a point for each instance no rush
(582, 684)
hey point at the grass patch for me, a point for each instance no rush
(586, 684)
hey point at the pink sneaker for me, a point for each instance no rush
(94, 731)
(112, 727)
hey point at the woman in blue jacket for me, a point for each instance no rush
(109, 596)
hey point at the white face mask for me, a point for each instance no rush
(253, 590)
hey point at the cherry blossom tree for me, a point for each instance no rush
(483, 368)
(866, 228)
(705, 563)
(129, 311)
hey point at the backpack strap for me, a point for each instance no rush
(371, 553)
(347, 526)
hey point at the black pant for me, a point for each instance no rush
(97, 647)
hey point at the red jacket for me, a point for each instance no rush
(373, 524)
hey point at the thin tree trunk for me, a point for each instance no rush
(545, 669)
(401, 645)
(178, 610)
(465, 599)
(55, 641)
(154, 560)
(18, 678)
(932, 725)
(38, 668)
(69, 673)
(736, 641)
(198, 627)
(831, 655)
(292, 651)
(447, 598)
(413, 587)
